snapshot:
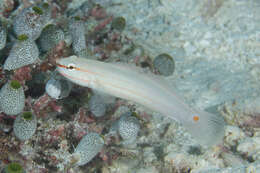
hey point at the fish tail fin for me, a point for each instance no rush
(207, 128)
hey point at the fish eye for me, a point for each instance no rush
(71, 67)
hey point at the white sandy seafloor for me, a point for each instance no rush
(216, 47)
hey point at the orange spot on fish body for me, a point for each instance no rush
(196, 118)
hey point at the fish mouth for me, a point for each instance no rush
(58, 63)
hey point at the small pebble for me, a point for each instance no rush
(97, 105)
(118, 23)
(164, 64)
(58, 87)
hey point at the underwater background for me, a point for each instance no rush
(207, 50)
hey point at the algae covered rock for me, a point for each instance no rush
(12, 98)
(50, 37)
(25, 126)
(77, 31)
(13, 168)
(23, 52)
(128, 127)
(32, 20)
(89, 146)
(3, 35)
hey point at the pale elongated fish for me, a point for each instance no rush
(146, 89)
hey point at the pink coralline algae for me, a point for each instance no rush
(42, 103)
(98, 12)
(23, 74)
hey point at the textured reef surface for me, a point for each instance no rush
(208, 50)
